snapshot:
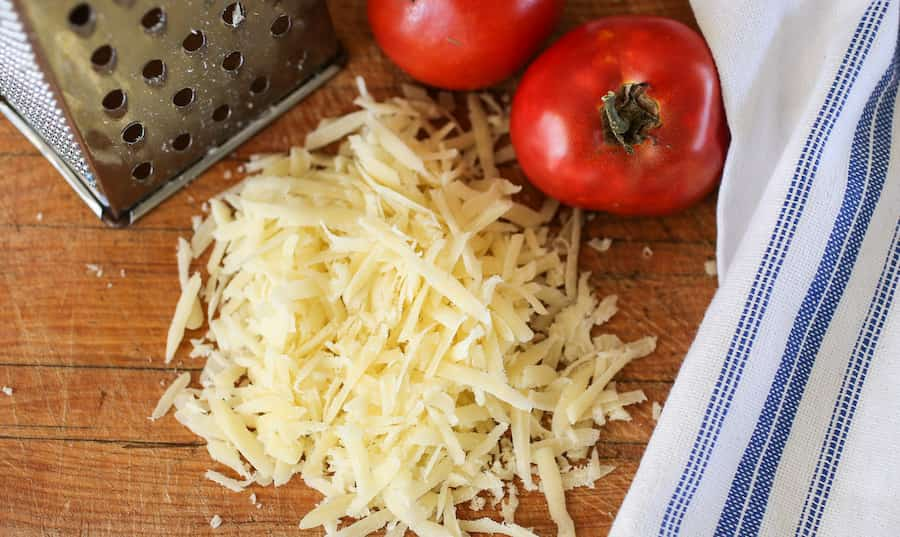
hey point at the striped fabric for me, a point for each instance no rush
(785, 418)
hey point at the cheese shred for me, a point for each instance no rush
(168, 397)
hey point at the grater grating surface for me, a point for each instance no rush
(23, 85)
(136, 97)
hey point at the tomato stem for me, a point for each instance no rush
(628, 115)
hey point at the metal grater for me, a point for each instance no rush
(131, 99)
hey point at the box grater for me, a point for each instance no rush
(131, 99)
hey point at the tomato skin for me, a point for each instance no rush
(462, 44)
(557, 127)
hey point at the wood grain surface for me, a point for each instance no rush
(83, 353)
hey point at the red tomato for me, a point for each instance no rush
(670, 136)
(462, 44)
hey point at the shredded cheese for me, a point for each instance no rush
(168, 397)
(230, 483)
(386, 322)
(656, 409)
(709, 266)
(491, 527)
(551, 484)
(182, 315)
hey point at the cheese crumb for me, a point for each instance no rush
(253, 498)
(600, 245)
(709, 266)
(509, 506)
(647, 252)
(586, 475)
(227, 175)
(215, 522)
(238, 15)
(40, 217)
(121, 273)
(109, 285)
(656, 411)
(7, 391)
(97, 270)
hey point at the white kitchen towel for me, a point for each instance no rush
(785, 417)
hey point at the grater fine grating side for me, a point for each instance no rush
(131, 99)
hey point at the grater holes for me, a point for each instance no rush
(183, 97)
(221, 113)
(181, 142)
(259, 85)
(281, 25)
(154, 72)
(234, 14)
(103, 58)
(81, 18)
(81, 15)
(154, 21)
(133, 133)
(114, 102)
(142, 171)
(233, 61)
(194, 41)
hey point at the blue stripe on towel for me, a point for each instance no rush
(869, 157)
(851, 387)
(769, 268)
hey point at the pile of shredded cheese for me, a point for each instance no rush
(388, 324)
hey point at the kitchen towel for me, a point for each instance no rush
(785, 417)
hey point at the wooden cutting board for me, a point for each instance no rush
(83, 352)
